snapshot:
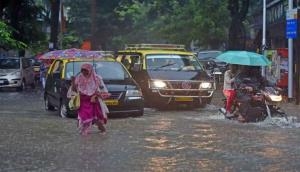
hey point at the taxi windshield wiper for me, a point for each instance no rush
(165, 65)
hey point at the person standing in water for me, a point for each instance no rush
(92, 91)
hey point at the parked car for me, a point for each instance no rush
(168, 74)
(16, 72)
(126, 96)
(208, 59)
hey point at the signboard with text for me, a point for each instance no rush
(291, 23)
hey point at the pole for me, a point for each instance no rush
(263, 69)
(290, 61)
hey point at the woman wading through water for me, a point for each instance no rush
(92, 91)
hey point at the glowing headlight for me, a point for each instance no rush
(159, 84)
(205, 85)
(275, 98)
(133, 93)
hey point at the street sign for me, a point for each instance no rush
(291, 14)
(291, 28)
(291, 23)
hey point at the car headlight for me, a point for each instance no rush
(205, 85)
(158, 84)
(133, 93)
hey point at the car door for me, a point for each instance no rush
(135, 65)
(53, 83)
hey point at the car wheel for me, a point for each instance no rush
(22, 86)
(47, 105)
(62, 110)
(208, 100)
(139, 113)
(202, 103)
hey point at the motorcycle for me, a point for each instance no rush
(254, 104)
(273, 98)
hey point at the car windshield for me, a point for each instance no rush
(107, 70)
(35, 62)
(172, 62)
(9, 63)
(208, 55)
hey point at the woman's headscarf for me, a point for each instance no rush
(88, 85)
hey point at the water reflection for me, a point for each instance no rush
(162, 164)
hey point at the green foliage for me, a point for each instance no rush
(6, 39)
(177, 21)
(71, 40)
(152, 21)
(25, 21)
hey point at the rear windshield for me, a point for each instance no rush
(107, 70)
(172, 62)
(9, 63)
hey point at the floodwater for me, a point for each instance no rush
(160, 141)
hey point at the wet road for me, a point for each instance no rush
(33, 139)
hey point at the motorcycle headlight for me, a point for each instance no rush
(133, 93)
(276, 98)
(158, 84)
(205, 85)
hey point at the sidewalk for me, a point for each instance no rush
(290, 108)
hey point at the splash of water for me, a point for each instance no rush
(280, 122)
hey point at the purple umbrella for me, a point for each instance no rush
(70, 53)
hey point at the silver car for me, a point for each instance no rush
(16, 72)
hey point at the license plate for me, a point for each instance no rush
(183, 99)
(111, 102)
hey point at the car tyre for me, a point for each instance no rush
(22, 86)
(63, 110)
(47, 105)
(139, 113)
(202, 103)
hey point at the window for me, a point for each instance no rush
(9, 64)
(172, 62)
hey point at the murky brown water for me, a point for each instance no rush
(160, 141)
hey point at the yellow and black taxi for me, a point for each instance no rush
(126, 96)
(168, 74)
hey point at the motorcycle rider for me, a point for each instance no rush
(228, 88)
(249, 79)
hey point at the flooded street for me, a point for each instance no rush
(33, 139)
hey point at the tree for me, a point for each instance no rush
(55, 6)
(237, 34)
(118, 22)
(21, 16)
(176, 21)
(6, 40)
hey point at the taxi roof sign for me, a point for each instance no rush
(175, 47)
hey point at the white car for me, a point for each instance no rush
(16, 72)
